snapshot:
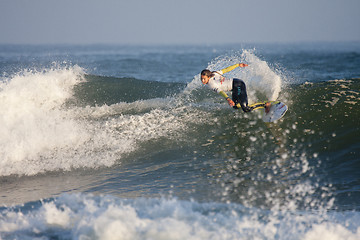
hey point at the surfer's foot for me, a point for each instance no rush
(267, 107)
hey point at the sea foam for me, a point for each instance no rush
(39, 132)
(83, 216)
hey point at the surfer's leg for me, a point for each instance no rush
(239, 94)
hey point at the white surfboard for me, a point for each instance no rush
(277, 111)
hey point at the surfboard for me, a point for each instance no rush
(276, 112)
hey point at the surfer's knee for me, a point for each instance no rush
(246, 108)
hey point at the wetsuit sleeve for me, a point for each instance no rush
(222, 93)
(228, 69)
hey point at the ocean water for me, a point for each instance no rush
(124, 142)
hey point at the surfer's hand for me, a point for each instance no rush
(243, 65)
(231, 102)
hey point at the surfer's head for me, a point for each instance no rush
(206, 75)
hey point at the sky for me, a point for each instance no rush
(178, 21)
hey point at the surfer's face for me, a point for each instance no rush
(204, 79)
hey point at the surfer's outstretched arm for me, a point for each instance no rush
(228, 69)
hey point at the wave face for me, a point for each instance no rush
(101, 149)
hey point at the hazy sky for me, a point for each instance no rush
(178, 21)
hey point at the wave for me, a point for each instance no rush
(32, 124)
(295, 178)
(105, 217)
(44, 128)
(63, 119)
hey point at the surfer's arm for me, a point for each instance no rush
(228, 69)
(231, 102)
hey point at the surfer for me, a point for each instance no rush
(220, 84)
